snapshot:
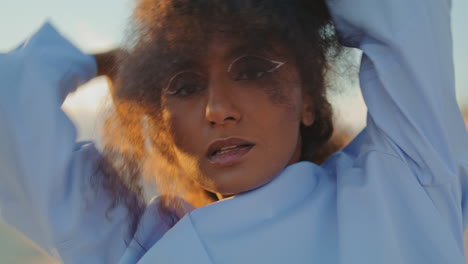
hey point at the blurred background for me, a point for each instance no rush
(96, 26)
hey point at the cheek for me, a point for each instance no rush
(285, 91)
(281, 127)
(185, 126)
(286, 103)
(186, 141)
(280, 90)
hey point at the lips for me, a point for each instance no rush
(228, 151)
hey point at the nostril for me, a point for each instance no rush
(223, 121)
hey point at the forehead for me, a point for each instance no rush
(226, 48)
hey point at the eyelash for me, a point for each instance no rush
(263, 73)
(180, 91)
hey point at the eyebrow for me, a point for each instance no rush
(242, 49)
(252, 49)
(182, 63)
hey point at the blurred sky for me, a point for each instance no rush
(99, 25)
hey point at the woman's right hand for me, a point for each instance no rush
(107, 62)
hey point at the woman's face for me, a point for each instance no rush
(235, 115)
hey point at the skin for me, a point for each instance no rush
(267, 112)
(106, 63)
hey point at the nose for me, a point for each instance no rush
(221, 106)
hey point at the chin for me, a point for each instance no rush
(246, 176)
(228, 185)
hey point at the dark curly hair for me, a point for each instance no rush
(166, 33)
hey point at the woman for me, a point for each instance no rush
(221, 94)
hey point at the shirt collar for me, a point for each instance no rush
(291, 186)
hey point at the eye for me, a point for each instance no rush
(249, 67)
(185, 83)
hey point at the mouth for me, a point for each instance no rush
(227, 152)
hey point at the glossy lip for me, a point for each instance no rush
(231, 157)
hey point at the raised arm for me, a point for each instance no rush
(407, 80)
(45, 189)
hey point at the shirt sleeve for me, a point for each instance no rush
(407, 81)
(45, 189)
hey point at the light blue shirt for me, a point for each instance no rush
(396, 194)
